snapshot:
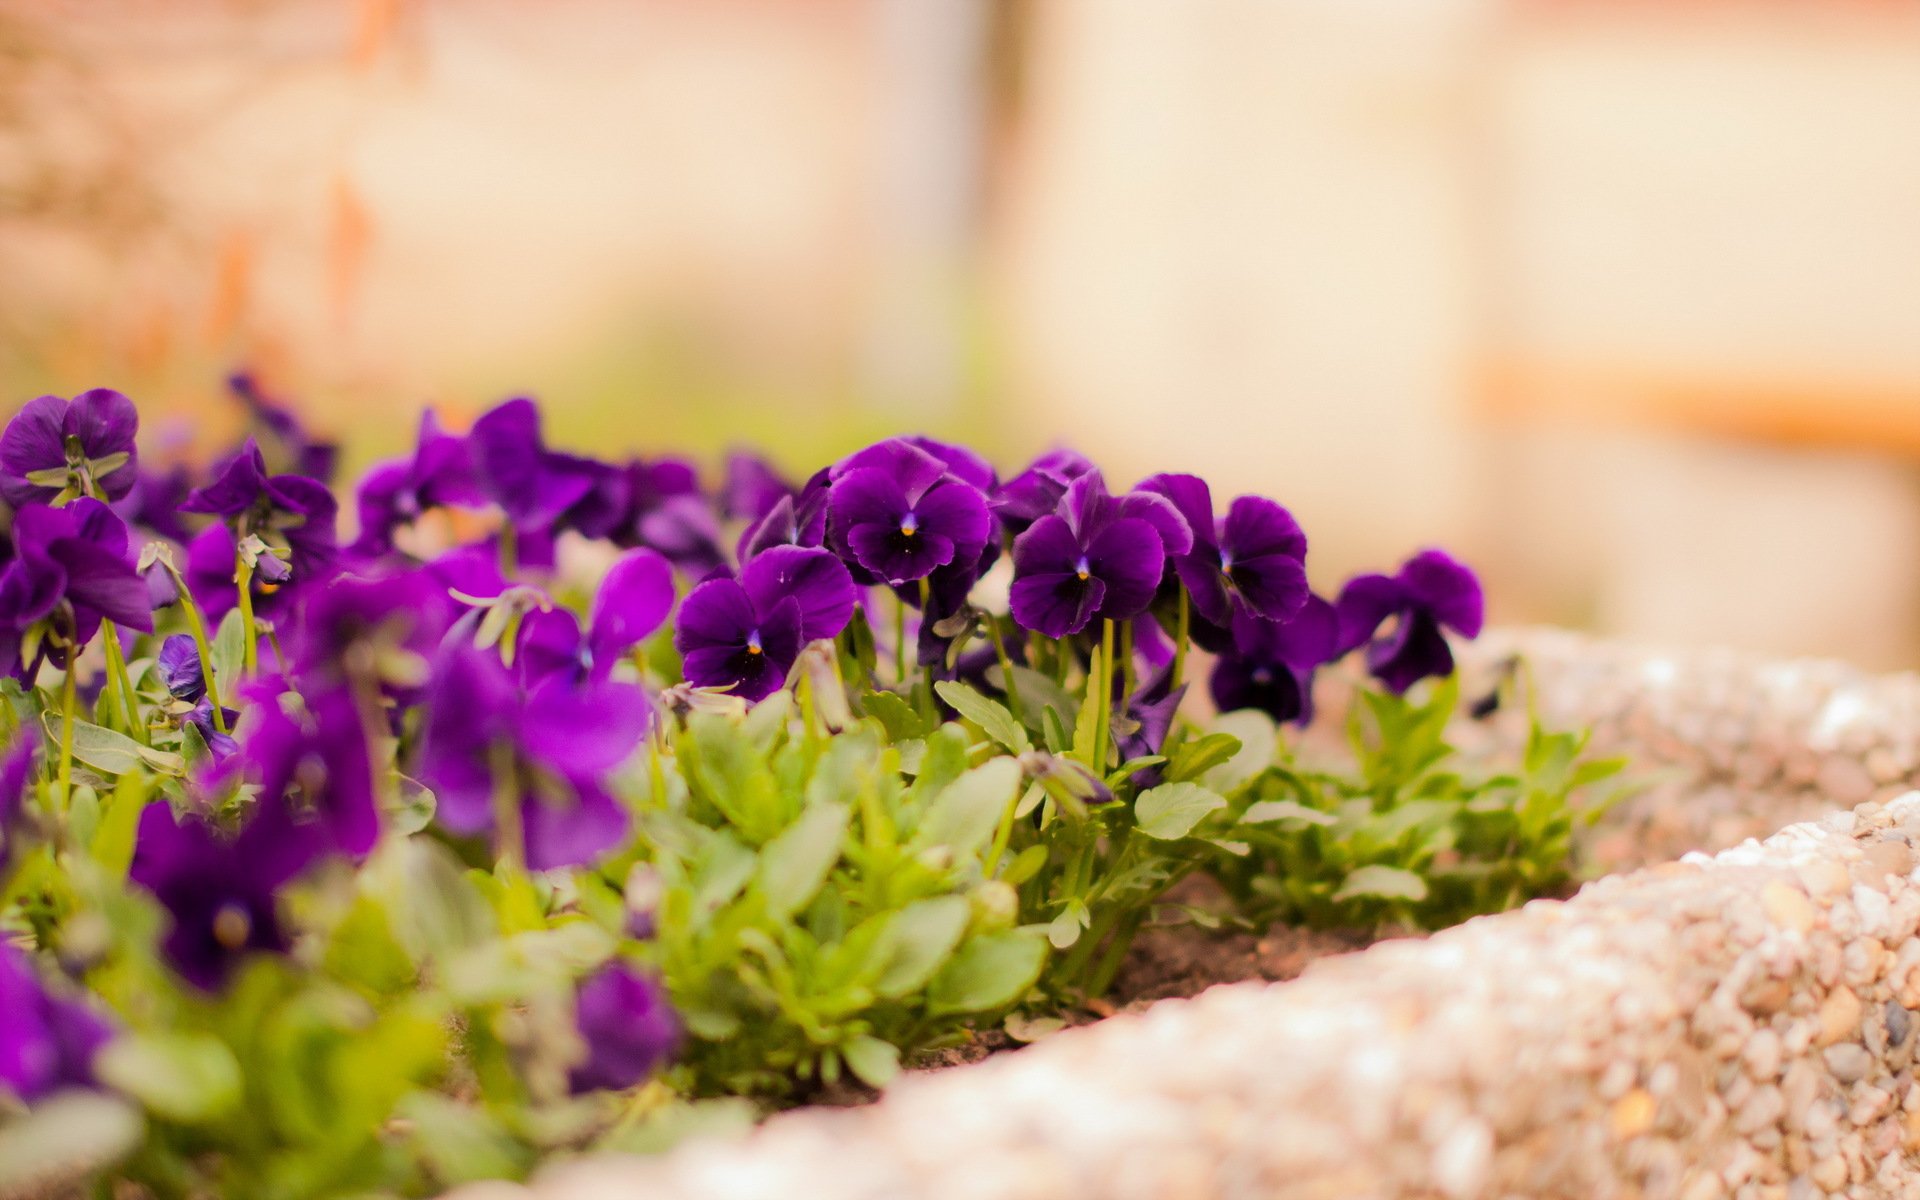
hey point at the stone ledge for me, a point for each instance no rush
(1741, 1025)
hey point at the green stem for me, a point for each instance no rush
(1181, 629)
(900, 639)
(1006, 668)
(1126, 659)
(1109, 965)
(509, 830)
(121, 683)
(509, 550)
(198, 628)
(249, 632)
(1103, 705)
(66, 731)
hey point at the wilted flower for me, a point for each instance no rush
(72, 572)
(628, 1027)
(1253, 558)
(55, 450)
(46, 1042)
(1099, 557)
(1432, 590)
(222, 895)
(747, 633)
(553, 745)
(1270, 664)
(899, 513)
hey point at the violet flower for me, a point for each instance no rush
(897, 512)
(1431, 591)
(1098, 558)
(178, 666)
(209, 573)
(1144, 720)
(532, 485)
(632, 601)
(1252, 559)
(71, 573)
(1270, 664)
(751, 487)
(393, 494)
(221, 894)
(47, 1042)
(1038, 490)
(799, 520)
(745, 634)
(16, 780)
(553, 745)
(376, 630)
(311, 750)
(306, 454)
(289, 510)
(628, 1026)
(55, 450)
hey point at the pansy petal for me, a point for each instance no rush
(1447, 588)
(1416, 651)
(1176, 535)
(957, 511)
(35, 440)
(590, 728)
(240, 482)
(1128, 559)
(816, 581)
(105, 422)
(575, 830)
(911, 469)
(106, 583)
(1273, 585)
(1206, 585)
(1364, 603)
(1256, 527)
(1189, 495)
(716, 613)
(1056, 605)
(633, 601)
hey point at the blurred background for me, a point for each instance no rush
(1620, 300)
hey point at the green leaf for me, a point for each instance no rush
(989, 972)
(1285, 810)
(112, 845)
(462, 1143)
(1065, 929)
(876, 1062)
(1037, 692)
(184, 1077)
(795, 864)
(1258, 737)
(1088, 724)
(1382, 882)
(989, 715)
(1170, 811)
(917, 940)
(228, 652)
(1025, 865)
(112, 753)
(967, 811)
(902, 721)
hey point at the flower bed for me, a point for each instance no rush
(572, 806)
(1740, 1025)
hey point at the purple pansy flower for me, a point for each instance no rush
(1145, 719)
(439, 474)
(554, 744)
(71, 573)
(798, 520)
(178, 666)
(1254, 558)
(532, 484)
(628, 1027)
(751, 487)
(311, 751)
(898, 512)
(47, 1042)
(1432, 591)
(746, 633)
(209, 573)
(631, 603)
(289, 510)
(379, 629)
(1038, 490)
(54, 449)
(1098, 558)
(221, 894)
(304, 453)
(16, 777)
(1270, 664)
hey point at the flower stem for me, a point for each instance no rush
(1181, 629)
(1103, 704)
(249, 632)
(1006, 668)
(117, 676)
(66, 731)
(1126, 660)
(900, 639)
(509, 828)
(197, 626)
(509, 550)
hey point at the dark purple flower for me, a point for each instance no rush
(897, 512)
(221, 894)
(746, 633)
(72, 572)
(16, 779)
(1432, 591)
(892, 455)
(1145, 719)
(751, 487)
(1098, 558)
(303, 453)
(439, 474)
(286, 511)
(532, 484)
(799, 520)
(220, 746)
(54, 449)
(1270, 664)
(379, 629)
(628, 1026)
(1038, 490)
(1254, 558)
(153, 503)
(47, 1042)
(209, 574)
(631, 603)
(178, 665)
(311, 751)
(555, 745)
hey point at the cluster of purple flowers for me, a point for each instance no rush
(516, 714)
